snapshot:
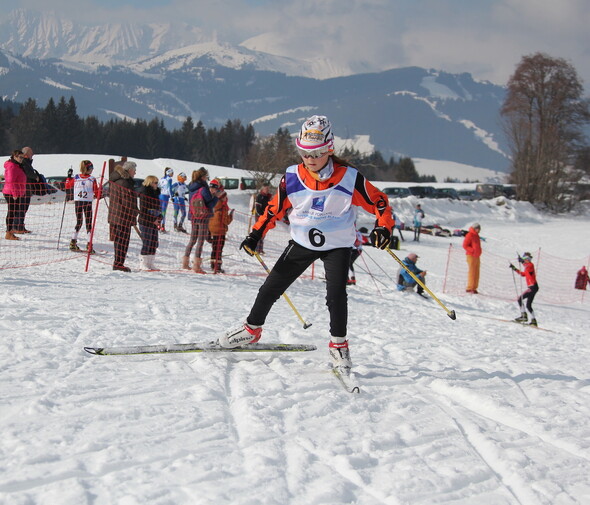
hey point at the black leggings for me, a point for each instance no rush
(14, 212)
(529, 296)
(83, 209)
(292, 263)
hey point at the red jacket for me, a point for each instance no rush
(472, 243)
(529, 273)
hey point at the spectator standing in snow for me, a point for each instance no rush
(418, 217)
(398, 227)
(260, 205)
(200, 212)
(218, 226)
(165, 195)
(179, 190)
(150, 216)
(322, 194)
(582, 279)
(528, 272)
(14, 190)
(405, 281)
(123, 210)
(472, 246)
(84, 188)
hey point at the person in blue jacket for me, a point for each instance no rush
(405, 281)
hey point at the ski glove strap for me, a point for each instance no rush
(380, 237)
(250, 242)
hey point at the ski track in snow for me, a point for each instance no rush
(468, 412)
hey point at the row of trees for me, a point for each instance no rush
(544, 117)
(57, 128)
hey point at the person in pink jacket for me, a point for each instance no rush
(472, 246)
(15, 185)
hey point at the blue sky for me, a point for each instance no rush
(484, 37)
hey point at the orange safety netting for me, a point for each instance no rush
(52, 222)
(556, 277)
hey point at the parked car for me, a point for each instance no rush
(230, 182)
(447, 193)
(58, 181)
(423, 191)
(468, 194)
(238, 183)
(510, 192)
(488, 191)
(395, 192)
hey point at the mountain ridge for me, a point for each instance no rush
(408, 111)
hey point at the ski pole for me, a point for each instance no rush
(254, 253)
(62, 219)
(450, 313)
(370, 274)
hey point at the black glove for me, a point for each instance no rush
(380, 237)
(250, 242)
(513, 267)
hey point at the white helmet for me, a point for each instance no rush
(316, 134)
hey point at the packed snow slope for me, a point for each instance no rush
(476, 411)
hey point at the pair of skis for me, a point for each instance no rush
(344, 376)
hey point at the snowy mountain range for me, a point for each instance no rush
(173, 71)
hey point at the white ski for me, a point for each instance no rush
(346, 379)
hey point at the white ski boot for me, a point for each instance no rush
(245, 334)
(340, 356)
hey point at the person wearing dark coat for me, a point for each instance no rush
(150, 218)
(123, 210)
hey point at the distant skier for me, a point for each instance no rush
(418, 218)
(528, 273)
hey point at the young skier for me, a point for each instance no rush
(322, 194)
(84, 189)
(166, 193)
(532, 287)
(179, 190)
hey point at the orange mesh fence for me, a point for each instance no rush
(556, 277)
(52, 222)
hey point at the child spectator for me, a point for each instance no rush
(218, 226)
(149, 220)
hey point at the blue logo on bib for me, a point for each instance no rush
(318, 203)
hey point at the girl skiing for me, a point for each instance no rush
(165, 194)
(322, 194)
(528, 273)
(85, 188)
(179, 190)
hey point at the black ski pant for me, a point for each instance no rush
(83, 210)
(529, 296)
(292, 263)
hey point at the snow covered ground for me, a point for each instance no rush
(476, 411)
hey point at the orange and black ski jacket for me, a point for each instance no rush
(365, 195)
